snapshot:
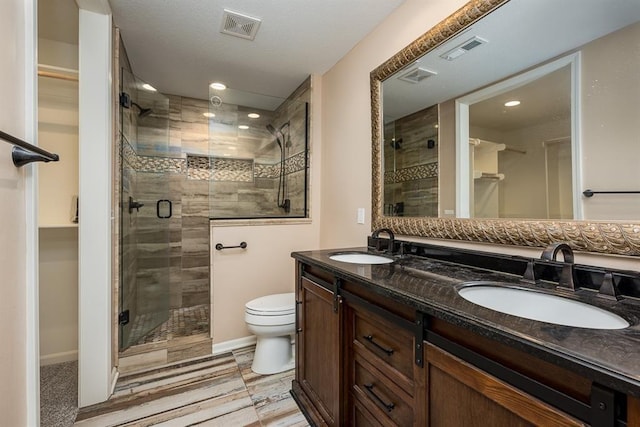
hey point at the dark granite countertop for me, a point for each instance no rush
(609, 357)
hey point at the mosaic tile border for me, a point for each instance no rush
(211, 168)
(219, 169)
(414, 173)
(292, 164)
(240, 170)
(154, 164)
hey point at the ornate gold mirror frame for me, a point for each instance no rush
(591, 236)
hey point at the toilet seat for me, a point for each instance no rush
(272, 305)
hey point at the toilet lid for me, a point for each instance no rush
(273, 304)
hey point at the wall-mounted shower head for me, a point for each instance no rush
(276, 134)
(142, 112)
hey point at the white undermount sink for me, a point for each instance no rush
(540, 306)
(360, 258)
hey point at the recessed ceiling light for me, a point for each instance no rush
(511, 103)
(218, 86)
(253, 115)
(208, 114)
(243, 127)
(148, 87)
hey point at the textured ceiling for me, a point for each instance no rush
(178, 48)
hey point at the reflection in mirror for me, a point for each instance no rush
(593, 147)
(562, 157)
(514, 146)
(411, 164)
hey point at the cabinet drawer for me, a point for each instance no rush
(385, 400)
(379, 340)
(361, 417)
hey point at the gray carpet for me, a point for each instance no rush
(58, 394)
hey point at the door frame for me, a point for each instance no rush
(32, 339)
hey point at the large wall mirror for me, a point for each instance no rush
(514, 122)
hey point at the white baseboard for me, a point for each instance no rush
(53, 358)
(227, 346)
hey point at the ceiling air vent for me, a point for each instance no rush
(463, 48)
(417, 75)
(239, 25)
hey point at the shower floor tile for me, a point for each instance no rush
(182, 322)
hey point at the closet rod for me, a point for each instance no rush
(57, 76)
(24, 153)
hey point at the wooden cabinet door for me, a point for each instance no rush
(459, 394)
(318, 351)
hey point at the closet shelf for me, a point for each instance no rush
(488, 176)
(48, 226)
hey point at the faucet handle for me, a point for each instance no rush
(529, 275)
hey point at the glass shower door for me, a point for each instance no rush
(146, 207)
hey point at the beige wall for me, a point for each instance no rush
(13, 352)
(346, 126)
(346, 119)
(610, 145)
(265, 267)
(58, 287)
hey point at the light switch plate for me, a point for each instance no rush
(360, 215)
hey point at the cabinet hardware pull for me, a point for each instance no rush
(388, 406)
(388, 351)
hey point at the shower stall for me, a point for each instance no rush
(185, 161)
(144, 215)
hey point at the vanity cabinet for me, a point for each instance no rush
(317, 385)
(460, 394)
(367, 359)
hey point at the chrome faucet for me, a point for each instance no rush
(392, 238)
(550, 254)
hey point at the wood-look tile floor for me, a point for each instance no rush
(211, 391)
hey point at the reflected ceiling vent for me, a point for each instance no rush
(463, 48)
(239, 25)
(417, 75)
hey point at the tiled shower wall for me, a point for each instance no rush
(243, 188)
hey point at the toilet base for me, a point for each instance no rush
(273, 355)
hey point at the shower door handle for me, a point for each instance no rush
(164, 201)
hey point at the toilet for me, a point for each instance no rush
(272, 320)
